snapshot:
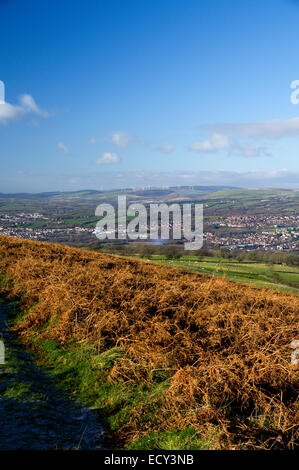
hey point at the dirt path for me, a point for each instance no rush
(34, 413)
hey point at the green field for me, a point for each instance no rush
(253, 194)
(276, 276)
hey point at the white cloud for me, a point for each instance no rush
(215, 143)
(26, 105)
(63, 148)
(275, 129)
(121, 139)
(8, 112)
(249, 150)
(279, 178)
(165, 148)
(30, 106)
(92, 140)
(108, 158)
(221, 142)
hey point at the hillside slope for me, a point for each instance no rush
(219, 351)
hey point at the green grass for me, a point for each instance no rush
(39, 223)
(186, 439)
(90, 221)
(276, 276)
(81, 221)
(253, 193)
(84, 373)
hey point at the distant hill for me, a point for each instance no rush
(165, 194)
(87, 193)
(253, 193)
(46, 194)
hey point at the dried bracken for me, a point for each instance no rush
(225, 346)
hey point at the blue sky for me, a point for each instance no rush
(112, 93)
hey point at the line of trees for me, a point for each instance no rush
(289, 258)
(176, 251)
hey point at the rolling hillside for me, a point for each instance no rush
(171, 359)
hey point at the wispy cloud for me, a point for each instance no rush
(275, 129)
(121, 138)
(249, 150)
(253, 178)
(164, 148)
(25, 106)
(108, 158)
(215, 143)
(92, 140)
(222, 142)
(30, 106)
(63, 148)
(281, 178)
